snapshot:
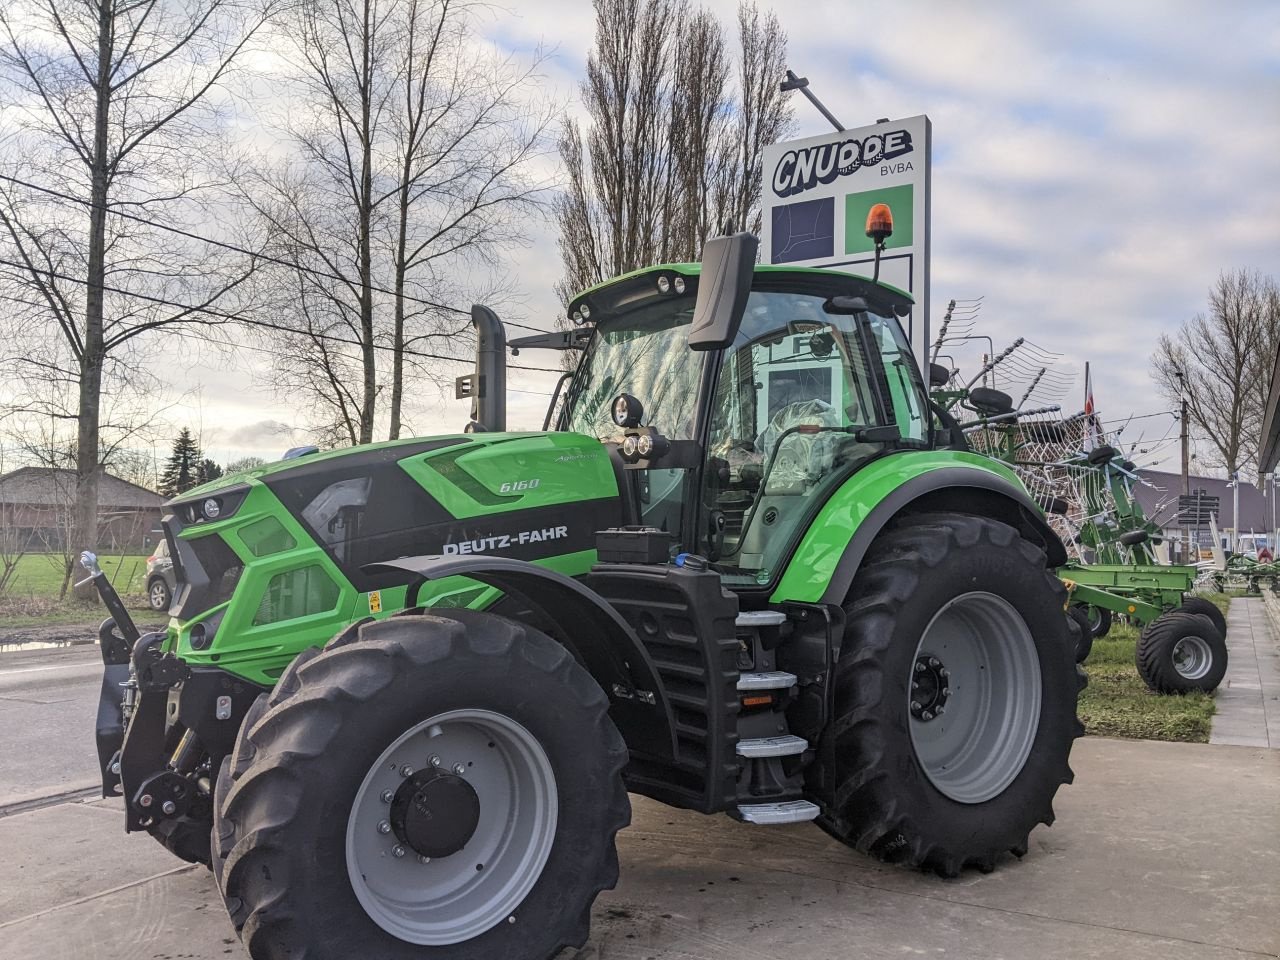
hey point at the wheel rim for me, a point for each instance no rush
(448, 899)
(1095, 619)
(1192, 658)
(979, 646)
(158, 591)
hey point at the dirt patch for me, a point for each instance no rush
(59, 635)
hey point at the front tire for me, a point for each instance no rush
(1181, 652)
(958, 612)
(1079, 615)
(159, 596)
(484, 727)
(1208, 609)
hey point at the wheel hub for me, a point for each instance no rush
(435, 813)
(930, 688)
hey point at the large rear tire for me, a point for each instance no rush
(958, 613)
(486, 728)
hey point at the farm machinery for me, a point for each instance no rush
(406, 687)
(1087, 491)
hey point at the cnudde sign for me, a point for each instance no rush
(806, 167)
(817, 192)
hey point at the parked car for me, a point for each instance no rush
(160, 579)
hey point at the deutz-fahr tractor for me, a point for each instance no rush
(406, 688)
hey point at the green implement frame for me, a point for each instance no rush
(1142, 592)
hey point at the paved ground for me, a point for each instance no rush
(1248, 701)
(48, 703)
(1161, 850)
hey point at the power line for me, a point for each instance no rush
(248, 321)
(251, 253)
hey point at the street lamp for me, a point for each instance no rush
(802, 84)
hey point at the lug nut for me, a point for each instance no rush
(144, 800)
(387, 796)
(935, 662)
(919, 667)
(915, 684)
(939, 710)
(384, 827)
(435, 761)
(406, 771)
(397, 851)
(926, 715)
(944, 672)
(915, 705)
(422, 859)
(115, 768)
(459, 769)
(169, 808)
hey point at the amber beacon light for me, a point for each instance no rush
(879, 229)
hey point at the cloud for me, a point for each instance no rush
(1096, 165)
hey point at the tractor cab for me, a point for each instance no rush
(737, 401)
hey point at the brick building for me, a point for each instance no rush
(35, 510)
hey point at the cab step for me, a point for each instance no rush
(771, 680)
(786, 745)
(761, 618)
(786, 811)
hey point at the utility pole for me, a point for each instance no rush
(1235, 511)
(1186, 436)
(1186, 460)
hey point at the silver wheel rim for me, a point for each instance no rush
(457, 897)
(1192, 658)
(158, 590)
(973, 749)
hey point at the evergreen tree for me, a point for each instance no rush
(181, 469)
(207, 470)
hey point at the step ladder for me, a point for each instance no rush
(783, 811)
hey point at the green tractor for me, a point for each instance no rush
(407, 687)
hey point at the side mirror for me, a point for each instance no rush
(723, 288)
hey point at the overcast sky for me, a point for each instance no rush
(1096, 165)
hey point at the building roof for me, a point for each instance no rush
(1158, 496)
(48, 486)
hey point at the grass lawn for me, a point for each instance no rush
(1118, 704)
(32, 596)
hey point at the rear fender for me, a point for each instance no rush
(597, 636)
(964, 483)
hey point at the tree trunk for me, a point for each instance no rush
(397, 355)
(85, 517)
(366, 234)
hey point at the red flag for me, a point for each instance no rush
(1092, 428)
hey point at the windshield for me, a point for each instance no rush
(644, 353)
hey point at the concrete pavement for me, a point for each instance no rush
(48, 704)
(1161, 850)
(1248, 700)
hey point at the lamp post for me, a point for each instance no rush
(802, 84)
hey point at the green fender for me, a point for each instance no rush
(946, 481)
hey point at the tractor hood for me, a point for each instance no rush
(307, 531)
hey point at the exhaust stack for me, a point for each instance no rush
(487, 387)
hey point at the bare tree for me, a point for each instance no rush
(113, 99)
(671, 152)
(1223, 360)
(413, 162)
(764, 114)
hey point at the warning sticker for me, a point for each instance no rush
(375, 601)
